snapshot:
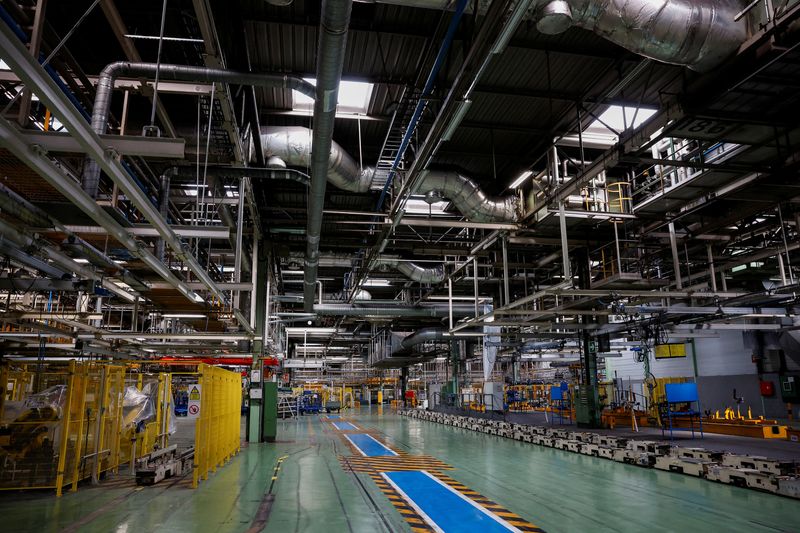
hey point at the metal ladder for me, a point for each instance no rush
(392, 144)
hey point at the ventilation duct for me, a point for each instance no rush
(427, 335)
(292, 146)
(415, 272)
(699, 34)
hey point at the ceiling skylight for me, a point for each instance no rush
(354, 97)
(620, 118)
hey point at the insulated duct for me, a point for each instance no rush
(105, 90)
(292, 145)
(699, 34)
(427, 335)
(334, 22)
(415, 272)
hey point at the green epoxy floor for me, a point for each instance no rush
(556, 490)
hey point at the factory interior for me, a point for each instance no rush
(400, 265)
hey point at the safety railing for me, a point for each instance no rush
(217, 433)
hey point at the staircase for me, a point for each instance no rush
(392, 151)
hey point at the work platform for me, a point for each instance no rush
(326, 479)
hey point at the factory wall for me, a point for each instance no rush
(724, 363)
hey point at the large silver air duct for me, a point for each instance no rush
(699, 34)
(438, 311)
(414, 271)
(292, 146)
(468, 197)
(334, 22)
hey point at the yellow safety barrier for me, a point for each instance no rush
(61, 426)
(217, 433)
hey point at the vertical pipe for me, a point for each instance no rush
(782, 269)
(254, 281)
(450, 301)
(506, 292)
(475, 283)
(711, 269)
(616, 245)
(724, 281)
(237, 260)
(676, 263)
(564, 243)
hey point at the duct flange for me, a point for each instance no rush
(554, 18)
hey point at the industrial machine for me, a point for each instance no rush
(310, 402)
(162, 464)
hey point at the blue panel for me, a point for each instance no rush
(681, 392)
(449, 510)
(369, 446)
(556, 393)
(344, 425)
(333, 417)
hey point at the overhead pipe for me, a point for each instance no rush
(438, 311)
(334, 23)
(292, 146)
(64, 183)
(105, 90)
(31, 73)
(20, 209)
(63, 261)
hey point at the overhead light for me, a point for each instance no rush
(310, 331)
(197, 298)
(458, 116)
(372, 282)
(511, 27)
(183, 315)
(81, 260)
(521, 179)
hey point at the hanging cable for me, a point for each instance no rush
(71, 31)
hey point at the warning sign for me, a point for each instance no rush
(193, 409)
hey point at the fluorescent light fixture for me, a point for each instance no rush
(183, 315)
(458, 116)
(354, 97)
(372, 282)
(521, 179)
(511, 27)
(197, 298)
(310, 331)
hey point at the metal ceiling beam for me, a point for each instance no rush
(130, 145)
(142, 230)
(34, 76)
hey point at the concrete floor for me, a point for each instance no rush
(555, 490)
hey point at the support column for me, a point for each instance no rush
(254, 415)
(562, 216)
(587, 398)
(711, 270)
(403, 384)
(506, 293)
(676, 263)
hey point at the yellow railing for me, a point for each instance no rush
(217, 433)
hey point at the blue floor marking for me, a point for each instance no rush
(444, 508)
(332, 417)
(344, 425)
(368, 446)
